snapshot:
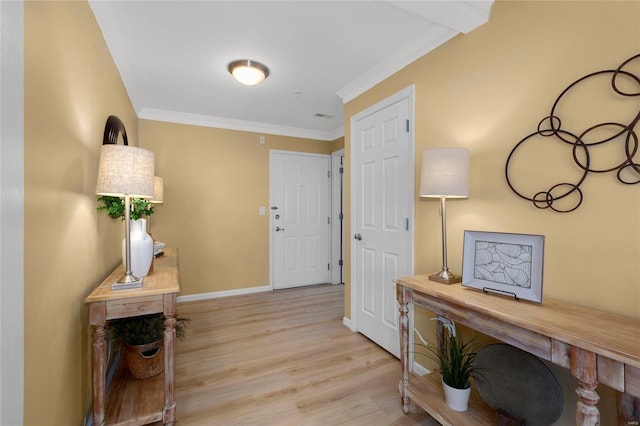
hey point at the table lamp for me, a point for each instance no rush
(445, 174)
(158, 191)
(125, 171)
(158, 198)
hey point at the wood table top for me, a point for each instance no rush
(163, 280)
(614, 336)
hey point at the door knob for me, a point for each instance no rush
(279, 229)
(358, 237)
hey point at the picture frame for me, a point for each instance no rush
(504, 263)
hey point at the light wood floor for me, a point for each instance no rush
(284, 358)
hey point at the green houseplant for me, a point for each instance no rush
(141, 243)
(455, 360)
(142, 338)
(114, 206)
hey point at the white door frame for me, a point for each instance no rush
(336, 237)
(408, 93)
(271, 224)
(12, 212)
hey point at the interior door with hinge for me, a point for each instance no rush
(300, 218)
(383, 211)
(337, 217)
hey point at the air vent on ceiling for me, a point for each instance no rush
(321, 115)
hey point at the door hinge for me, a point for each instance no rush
(328, 266)
(341, 170)
(329, 173)
(340, 262)
(329, 221)
(341, 216)
(406, 224)
(407, 126)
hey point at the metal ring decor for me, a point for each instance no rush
(627, 169)
(112, 129)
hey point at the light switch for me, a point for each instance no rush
(263, 211)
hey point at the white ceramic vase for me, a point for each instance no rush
(457, 399)
(141, 248)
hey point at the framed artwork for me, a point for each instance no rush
(509, 264)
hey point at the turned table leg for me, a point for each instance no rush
(583, 368)
(97, 313)
(169, 414)
(404, 348)
(628, 409)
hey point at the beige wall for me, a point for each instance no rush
(215, 181)
(71, 87)
(486, 91)
(489, 89)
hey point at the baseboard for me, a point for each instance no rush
(224, 293)
(346, 322)
(419, 369)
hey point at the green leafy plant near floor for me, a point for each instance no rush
(455, 359)
(114, 206)
(144, 329)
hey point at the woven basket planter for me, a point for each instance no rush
(145, 361)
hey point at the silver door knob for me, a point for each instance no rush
(279, 229)
(358, 237)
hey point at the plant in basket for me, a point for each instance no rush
(142, 338)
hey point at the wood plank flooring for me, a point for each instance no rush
(284, 358)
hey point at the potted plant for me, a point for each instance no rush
(455, 360)
(142, 338)
(114, 206)
(141, 241)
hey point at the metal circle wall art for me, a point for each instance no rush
(623, 84)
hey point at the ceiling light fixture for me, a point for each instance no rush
(248, 72)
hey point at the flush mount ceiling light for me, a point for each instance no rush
(248, 72)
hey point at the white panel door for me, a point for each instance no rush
(383, 176)
(300, 215)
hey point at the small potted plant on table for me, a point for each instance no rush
(142, 338)
(455, 360)
(141, 241)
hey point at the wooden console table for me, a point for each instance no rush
(597, 347)
(157, 294)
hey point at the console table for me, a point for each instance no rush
(597, 347)
(143, 403)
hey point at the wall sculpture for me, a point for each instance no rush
(624, 84)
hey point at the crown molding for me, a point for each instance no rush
(395, 63)
(233, 124)
(461, 16)
(448, 18)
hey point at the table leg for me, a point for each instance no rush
(97, 312)
(587, 413)
(628, 409)
(404, 348)
(583, 368)
(169, 414)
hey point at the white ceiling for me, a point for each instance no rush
(173, 56)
